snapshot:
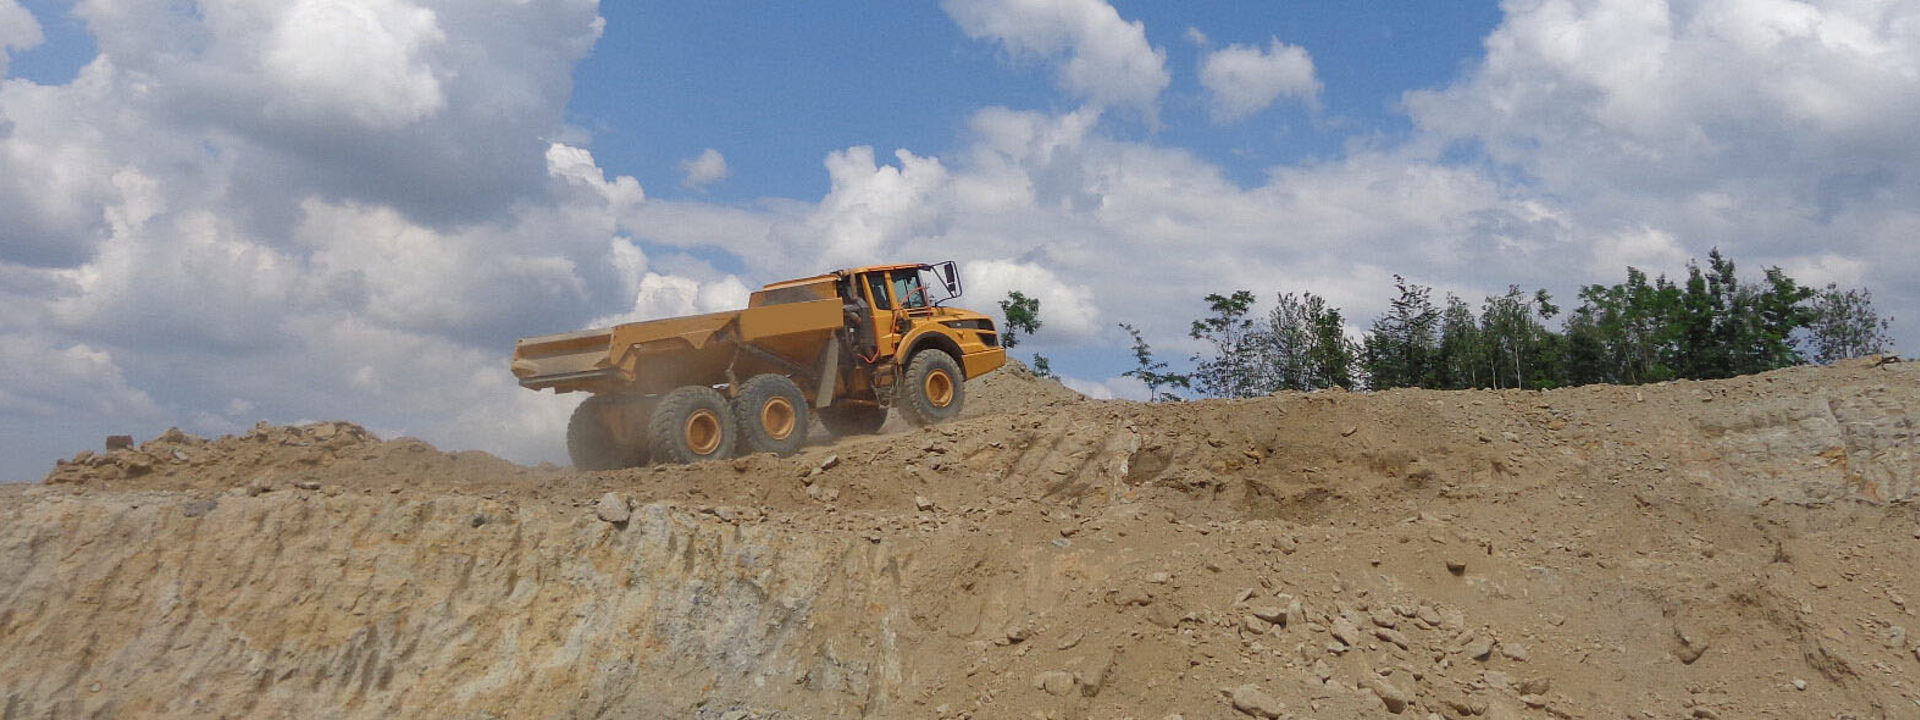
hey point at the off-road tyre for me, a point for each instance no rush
(933, 390)
(691, 424)
(772, 415)
(591, 444)
(852, 419)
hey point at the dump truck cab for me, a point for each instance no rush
(844, 346)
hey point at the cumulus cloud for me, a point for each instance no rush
(18, 31)
(706, 169)
(1776, 130)
(1105, 59)
(1242, 80)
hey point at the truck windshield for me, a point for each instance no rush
(907, 287)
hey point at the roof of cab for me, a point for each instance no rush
(841, 273)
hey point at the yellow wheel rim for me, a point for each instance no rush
(703, 432)
(939, 388)
(777, 418)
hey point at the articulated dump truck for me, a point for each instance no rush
(844, 347)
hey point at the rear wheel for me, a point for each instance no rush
(934, 390)
(591, 442)
(772, 414)
(692, 424)
(846, 420)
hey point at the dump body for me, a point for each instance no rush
(655, 356)
(797, 328)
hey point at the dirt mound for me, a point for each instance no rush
(1741, 548)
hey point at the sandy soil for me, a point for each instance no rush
(1733, 549)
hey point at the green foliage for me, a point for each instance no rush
(1043, 367)
(1636, 331)
(1843, 324)
(1401, 348)
(1305, 346)
(1023, 316)
(1515, 344)
(1153, 372)
(1236, 368)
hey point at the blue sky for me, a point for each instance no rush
(776, 88)
(222, 212)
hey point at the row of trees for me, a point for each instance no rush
(1711, 325)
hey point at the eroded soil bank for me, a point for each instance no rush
(1733, 549)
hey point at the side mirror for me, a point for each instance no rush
(949, 276)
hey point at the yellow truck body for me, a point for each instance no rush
(842, 346)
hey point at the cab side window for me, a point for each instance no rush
(877, 286)
(906, 286)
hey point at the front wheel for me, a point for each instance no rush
(934, 391)
(591, 441)
(772, 415)
(692, 424)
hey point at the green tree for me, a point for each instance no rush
(1518, 348)
(1843, 324)
(1152, 372)
(1043, 367)
(1236, 368)
(1333, 356)
(1400, 347)
(1304, 345)
(1460, 362)
(1023, 316)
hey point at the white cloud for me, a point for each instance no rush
(18, 31)
(1107, 59)
(1119, 386)
(365, 59)
(1777, 130)
(706, 169)
(1242, 80)
(1195, 36)
(1067, 310)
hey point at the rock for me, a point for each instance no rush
(175, 435)
(1395, 698)
(1799, 684)
(1294, 611)
(1383, 617)
(1457, 566)
(1393, 636)
(1055, 682)
(1275, 614)
(1478, 647)
(1160, 578)
(1534, 686)
(922, 504)
(828, 463)
(307, 484)
(1093, 681)
(1346, 631)
(197, 508)
(1427, 615)
(613, 508)
(1688, 647)
(1253, 701)
(119, 442)
(1517, 653)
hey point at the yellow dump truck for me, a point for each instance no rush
(843, 347)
